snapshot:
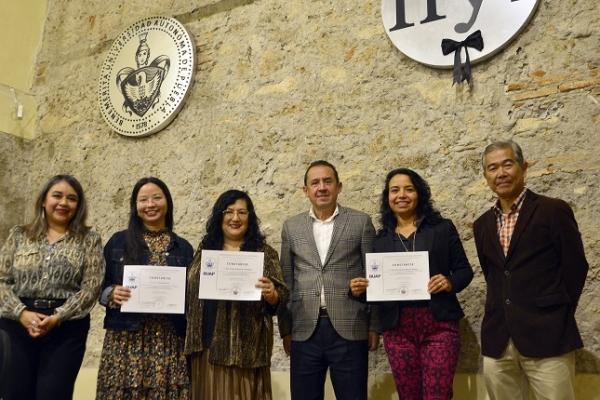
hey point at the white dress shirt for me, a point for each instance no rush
(323, 231)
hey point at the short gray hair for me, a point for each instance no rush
(503, 144)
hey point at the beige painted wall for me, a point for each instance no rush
(22, 24)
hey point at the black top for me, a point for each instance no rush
(446, 256)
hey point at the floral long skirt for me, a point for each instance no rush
(148, 364)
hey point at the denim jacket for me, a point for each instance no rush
(180, 253)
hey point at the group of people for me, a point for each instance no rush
(53, 270)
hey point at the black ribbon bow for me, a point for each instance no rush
(448, 46)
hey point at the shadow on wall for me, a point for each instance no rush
(586, 362)
(470, 350)
(465, 380)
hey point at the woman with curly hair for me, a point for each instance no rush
(231, 342)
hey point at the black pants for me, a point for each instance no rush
(347, 360)
(43, 368)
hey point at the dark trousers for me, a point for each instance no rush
(348, 362)
(43, 368)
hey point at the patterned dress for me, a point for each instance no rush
(236, 364)
(148, 363)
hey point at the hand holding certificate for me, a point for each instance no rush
(230, 275)
(398, 276)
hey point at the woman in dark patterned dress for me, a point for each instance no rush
(142, 356)
(231, 342)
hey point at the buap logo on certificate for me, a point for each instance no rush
(230, 275)
(154, 289)
(398, 276)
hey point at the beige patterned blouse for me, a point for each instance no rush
(71, 269)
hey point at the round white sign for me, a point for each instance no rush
(146, 76)
(417, 27)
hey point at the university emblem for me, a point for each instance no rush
(146, 76)
(141, 87)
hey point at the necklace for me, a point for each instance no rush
(413, 241)
(54, 238)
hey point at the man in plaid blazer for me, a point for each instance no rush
(325, 326)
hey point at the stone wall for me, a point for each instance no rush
(280, 84)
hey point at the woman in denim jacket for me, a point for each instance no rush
(142, 356)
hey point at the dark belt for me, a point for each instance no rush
(42, 303)
(323, 312)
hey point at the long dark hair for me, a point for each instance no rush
(134, 241)
(424, 209)
(214, 239)
(76, 226)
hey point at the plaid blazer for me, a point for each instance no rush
(306, 276)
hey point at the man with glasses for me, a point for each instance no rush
(325, 326)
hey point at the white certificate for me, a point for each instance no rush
(230, 275)
(154, 289)
(398, 276)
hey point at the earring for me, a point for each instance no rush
(43, 213)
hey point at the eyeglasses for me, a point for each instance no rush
(145, 200)
(242, 214)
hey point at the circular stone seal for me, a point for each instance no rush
(147, 76)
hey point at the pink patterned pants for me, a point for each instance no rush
(423, 355)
